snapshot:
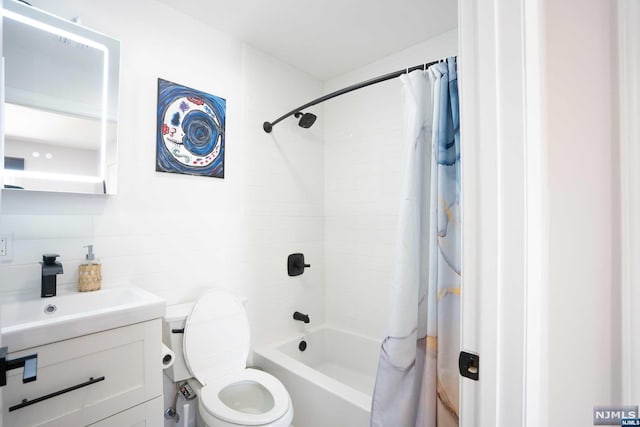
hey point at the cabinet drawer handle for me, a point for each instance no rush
(26, 402)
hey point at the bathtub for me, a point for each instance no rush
(331, 381)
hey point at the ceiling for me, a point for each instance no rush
(326, 38)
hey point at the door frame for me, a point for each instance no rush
(628, 19)
(502, 300)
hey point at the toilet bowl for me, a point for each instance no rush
(215, 346)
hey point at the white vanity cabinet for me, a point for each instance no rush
(109, 378)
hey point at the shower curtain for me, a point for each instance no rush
(417, 378)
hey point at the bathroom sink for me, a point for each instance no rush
(31, 323)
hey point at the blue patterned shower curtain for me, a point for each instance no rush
(417, 379)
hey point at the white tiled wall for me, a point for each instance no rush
(176, 235)
(363, 171)
(283, 197)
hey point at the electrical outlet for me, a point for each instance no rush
(6, 247)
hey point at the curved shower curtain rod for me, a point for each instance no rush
(268, 126)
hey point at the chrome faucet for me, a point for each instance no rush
(50, 268)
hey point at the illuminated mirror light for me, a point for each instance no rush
(53, 30)
(105, 83)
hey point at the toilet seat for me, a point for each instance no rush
(213, 405)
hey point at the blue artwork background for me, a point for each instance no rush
(200, 131)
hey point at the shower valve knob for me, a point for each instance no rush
(296, 264)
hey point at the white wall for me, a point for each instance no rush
(283, 197)
(363, 173)
(176, 235)
(581, 208)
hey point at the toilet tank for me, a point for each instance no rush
(175, 319)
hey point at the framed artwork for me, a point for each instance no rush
(190, 131)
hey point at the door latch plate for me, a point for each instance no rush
(469, 365)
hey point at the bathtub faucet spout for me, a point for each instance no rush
(301, 317)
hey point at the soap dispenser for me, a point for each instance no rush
(90, 277)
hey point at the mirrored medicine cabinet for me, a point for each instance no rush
(60, 109)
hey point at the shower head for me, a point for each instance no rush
(306, 119)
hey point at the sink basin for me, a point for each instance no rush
(31, 323)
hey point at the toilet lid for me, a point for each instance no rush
(245, 413)
(216, 336)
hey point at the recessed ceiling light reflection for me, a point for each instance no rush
(49, 156)
(36, 154)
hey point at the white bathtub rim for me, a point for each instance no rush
(272, 353)
(303, 334)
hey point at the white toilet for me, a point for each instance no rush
(212, 353)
